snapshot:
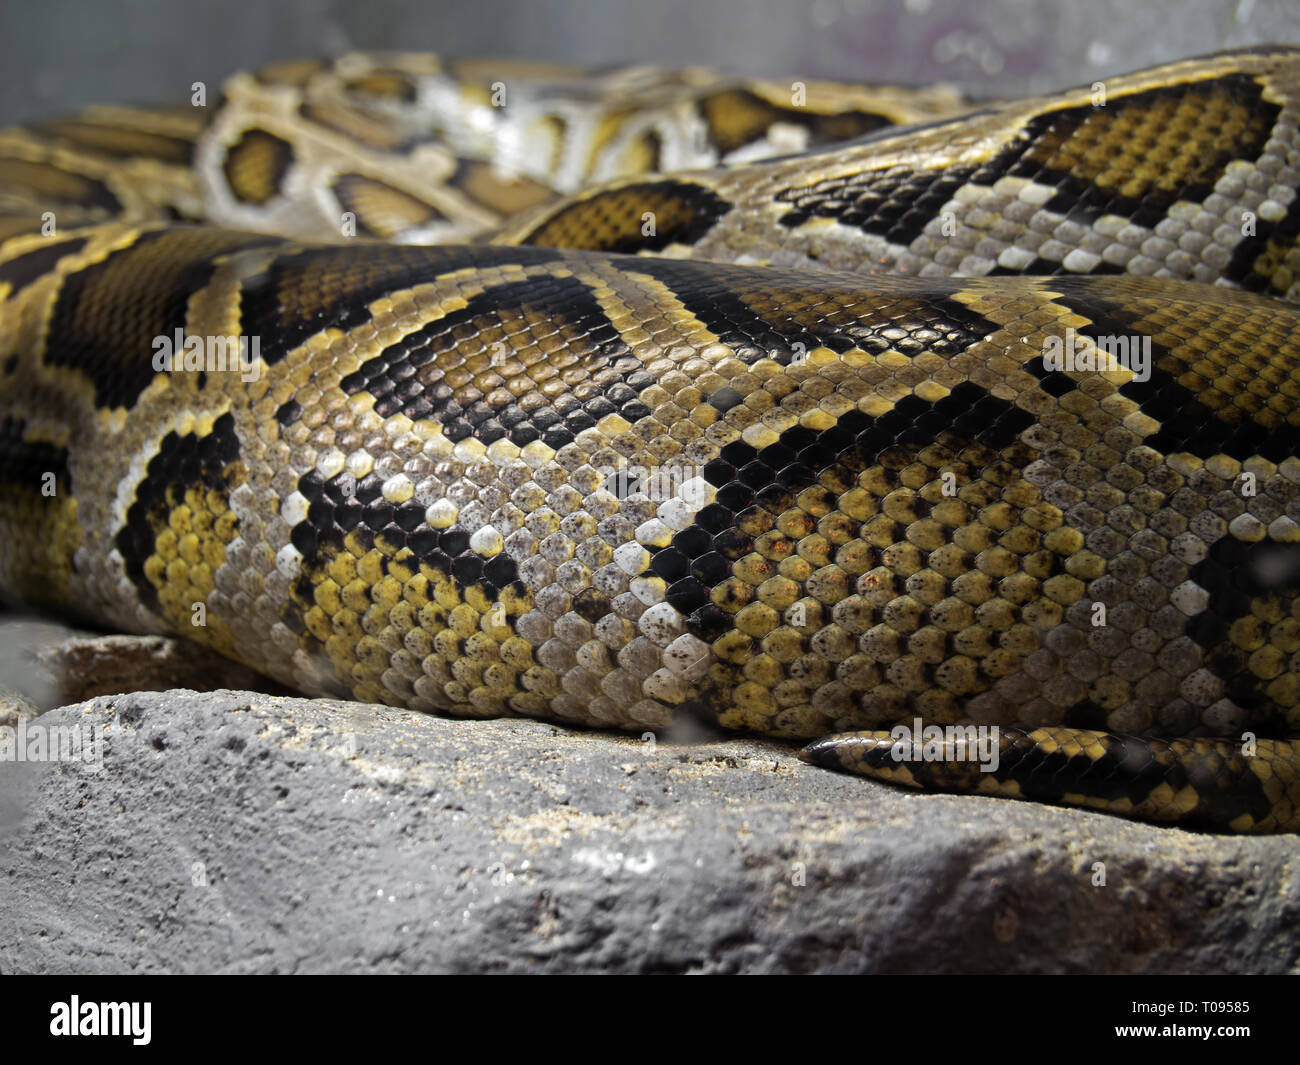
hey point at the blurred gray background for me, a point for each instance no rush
(58, 55)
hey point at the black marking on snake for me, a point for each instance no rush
(895, 204)
(683, 213)
(117, 141)
(350, 190)
(1084, 201)
(1043, 267)
(300, 294)
(24, 464)
(108, 315)
(263, 146)
(736, 117)
(22, 270)
(180, 464)
(564, 304)
(1186, 424)
(1128, 770)
(342, 505)
(592, 605)
(1055, 383)
(723, 297)
(1270, 245)
(35, 178)
(1086, 714)
(1237, 573)
(770, 478)
(288, 413)
(651, 144)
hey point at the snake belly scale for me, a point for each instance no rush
(415, 396)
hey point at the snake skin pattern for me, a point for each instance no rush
(692, 442)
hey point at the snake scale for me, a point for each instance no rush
(811, 410)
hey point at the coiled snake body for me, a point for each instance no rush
(988, 421)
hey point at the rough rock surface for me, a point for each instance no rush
(47, 663)
(236, 832)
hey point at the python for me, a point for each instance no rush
(915, 518)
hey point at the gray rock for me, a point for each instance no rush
(23, 675)
(47, 663)
(234, 832)
(15, 707)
